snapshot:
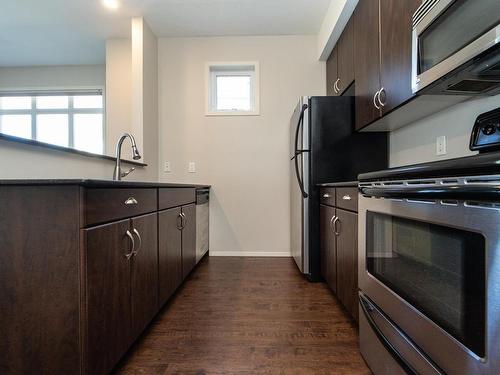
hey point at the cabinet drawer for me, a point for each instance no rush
(103, 205)
(347, 198)
(327, 196)
(174, 197)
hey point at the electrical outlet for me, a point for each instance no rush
(167, 168)
(441, 145)
(192, 167)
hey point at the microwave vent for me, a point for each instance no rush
(472, 86)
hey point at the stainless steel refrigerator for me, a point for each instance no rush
(324, 148)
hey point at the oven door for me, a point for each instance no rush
(431, 266)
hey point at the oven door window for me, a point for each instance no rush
(438, 270)
(460, 24)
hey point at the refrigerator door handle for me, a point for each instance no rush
(298, 152)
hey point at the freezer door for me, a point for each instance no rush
(299, 186)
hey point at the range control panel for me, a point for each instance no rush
(486, 132)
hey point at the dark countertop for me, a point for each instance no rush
(340, 184)
(94, 183)
(475, 165)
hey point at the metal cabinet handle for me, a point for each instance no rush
(129, 235)
(380, 102)
(184, 220)
(336, 226)
(336, 87)
(332, 220)
(179, 226)
(347, 197)
(375, 99)
(131, 200)
(136, 232)
(326, 195)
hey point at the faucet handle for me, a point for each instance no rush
(124, 174)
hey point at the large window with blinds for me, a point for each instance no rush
(73, 119)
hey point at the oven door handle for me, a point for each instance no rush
(458, 192)
(367, 308)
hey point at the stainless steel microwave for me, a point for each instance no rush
(456, 47)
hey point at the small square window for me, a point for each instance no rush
(233, 89)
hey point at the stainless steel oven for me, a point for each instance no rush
(455, 47)
(429, 275)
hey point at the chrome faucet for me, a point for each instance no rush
(118, 174)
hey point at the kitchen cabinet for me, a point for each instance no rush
(332, 73)
(339, 244)
(109, 310)
(188, 239)
(382, 57)
(328, 247)
(80, 265)
(340, 64)
(347, 260)
(169, 252)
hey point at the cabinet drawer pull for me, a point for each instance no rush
(129, 235)
(184, 220)
(335, 86)
(347, 197)
(382, 103)
(136, 232)
(179, 226)
(327, 195)
(332, 220)
(130, 201)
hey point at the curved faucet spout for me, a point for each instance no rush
(118, 174)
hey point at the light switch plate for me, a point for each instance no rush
(441, 145)
(192, 167)
(167, 168)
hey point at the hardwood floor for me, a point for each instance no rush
(248, 316)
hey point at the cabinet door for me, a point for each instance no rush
(367, 61)
(108, 294)
(188, 239)
(144, 272)
(346, 57)
(169, 253)
(396, 59)
(347, 260)
(331, 72)
(328, 247)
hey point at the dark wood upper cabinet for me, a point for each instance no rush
(347, 260)
(331, 72)
(169, 253)
(396, 63)
(144, 288)
(367, 61)
(328, 248)
(345, 58)
(108, 295)
(188, 239)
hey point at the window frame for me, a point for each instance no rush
(240, 68)
(33, 111)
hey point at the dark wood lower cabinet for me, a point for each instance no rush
(188, 239)
(109, 315)
(339, 247)
(144, 282)
(347, 260)
(328, 247)
(169, 253)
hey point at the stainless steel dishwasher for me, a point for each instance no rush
(202, 219)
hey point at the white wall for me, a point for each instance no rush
(52, 77)
(245, 158)
(416, 143)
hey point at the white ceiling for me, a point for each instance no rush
(48, 32)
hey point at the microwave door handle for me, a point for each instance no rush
(367, 309)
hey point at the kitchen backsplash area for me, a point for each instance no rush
(416, 143)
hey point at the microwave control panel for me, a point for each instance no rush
(486, 132)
